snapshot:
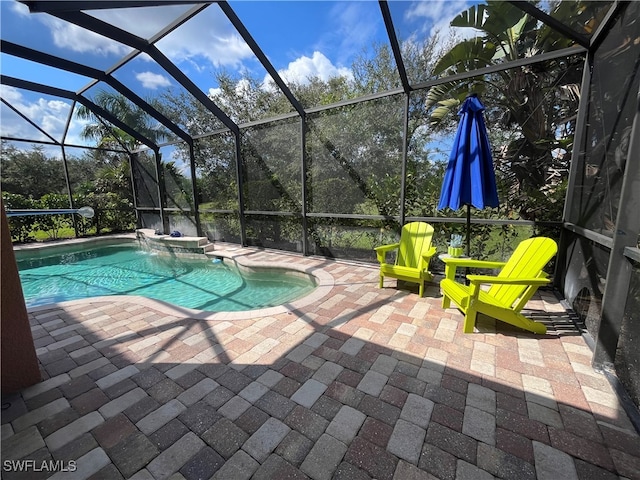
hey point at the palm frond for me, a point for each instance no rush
(467, 55)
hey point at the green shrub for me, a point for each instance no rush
(52, 224)
(21, 228)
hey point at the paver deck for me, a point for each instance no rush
(356, 382)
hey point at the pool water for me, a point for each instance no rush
(127, 270)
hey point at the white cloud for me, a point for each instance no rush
(243, 87)
(143, 22)
(11, 94)
(50, 115)
(318, 65)
(436, 16)
(70, 36)
(208, 35)
(77, 39)
(152, 80)
(21, 9)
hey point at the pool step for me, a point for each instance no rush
(175, 244)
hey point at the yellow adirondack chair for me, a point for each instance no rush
(414, 252)
(518, 280)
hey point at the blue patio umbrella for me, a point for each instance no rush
(470, 178)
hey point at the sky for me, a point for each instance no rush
(300, 38)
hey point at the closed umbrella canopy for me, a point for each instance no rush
(470, 178)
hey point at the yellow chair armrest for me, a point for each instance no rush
(382, 250)
(480, 279)
(426, 258)
(469, 262)
(386, 248)
(430, 253)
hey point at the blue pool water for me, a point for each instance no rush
(127, 270)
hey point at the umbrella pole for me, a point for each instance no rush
(466, 269)
(468, 230)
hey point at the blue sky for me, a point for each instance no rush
(301, 39)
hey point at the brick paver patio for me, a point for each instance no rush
(355, 382)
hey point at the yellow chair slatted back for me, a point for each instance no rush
(527, 261)
(415, 240)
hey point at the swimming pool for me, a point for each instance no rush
(202, 284)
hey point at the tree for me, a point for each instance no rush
(107, 135)
(354, 153)
(22, 227)
(110, 193)
(535, 104)
(31, 173)
(177, 186)
(53, 224)
(424, 173)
